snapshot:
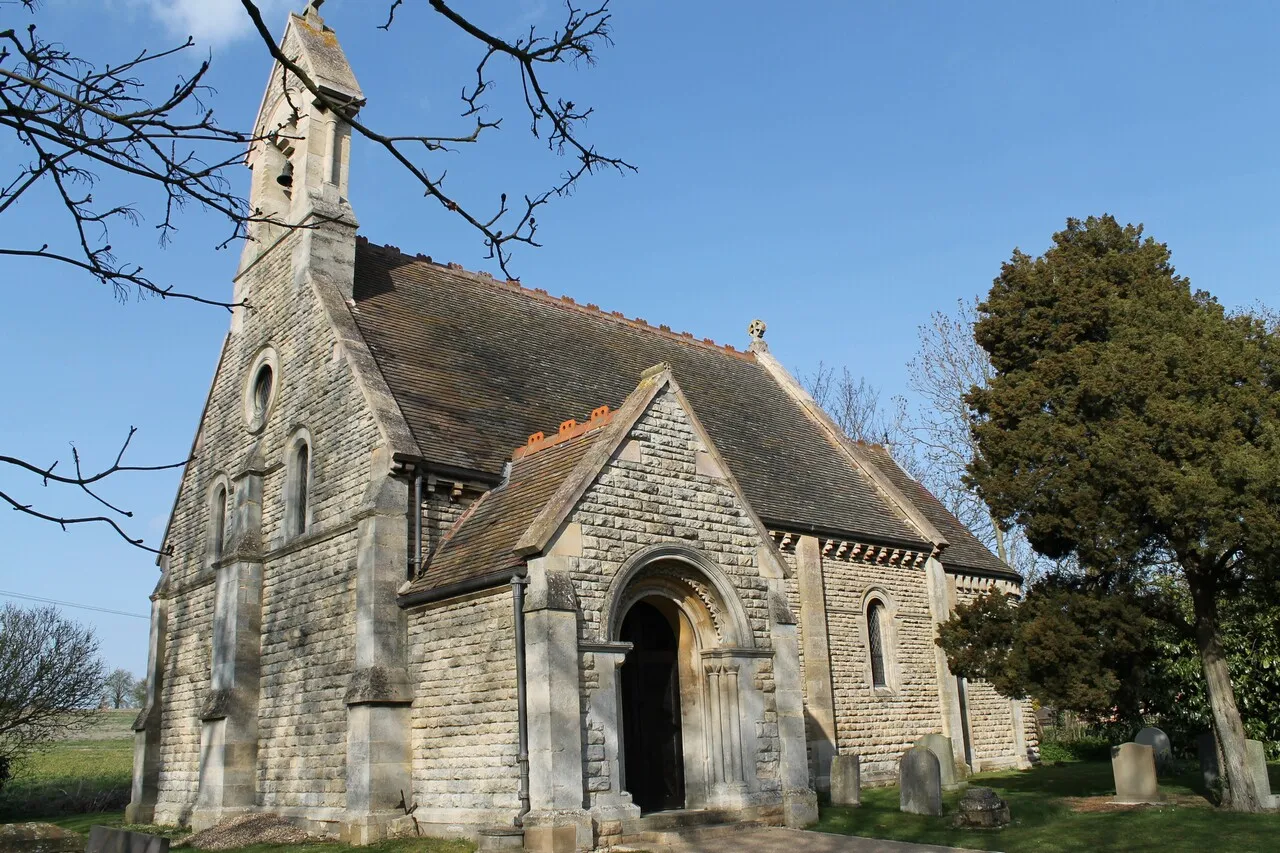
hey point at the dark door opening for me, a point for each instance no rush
(652, 748)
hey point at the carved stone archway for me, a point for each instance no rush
(716, 658)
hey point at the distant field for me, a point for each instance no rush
(108, 725)
(89, 772)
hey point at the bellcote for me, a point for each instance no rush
(302, 145)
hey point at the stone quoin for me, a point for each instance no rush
(452, 555)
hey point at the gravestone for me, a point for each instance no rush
(1134, 768)
(1255, 762)
(39, 838)
(982, 807)
(920, 782)
(1159, 743)
(1207, 750)
(940, 745)
(846, 783)
(105, 840)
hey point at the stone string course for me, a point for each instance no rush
(308, 599)
(464, 725)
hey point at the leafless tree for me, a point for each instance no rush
(947, 364)
(145, 126)
(119, 688)
(51, 678)
(854, 404)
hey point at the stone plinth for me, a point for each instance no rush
(846, 787)
(1159, 743)
(920, 782)
(1134, 767)
(981, 807)
(500, 838)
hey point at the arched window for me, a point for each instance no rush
(876, 642)
(299, 487)
(217, 523)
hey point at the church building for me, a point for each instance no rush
(458, 557)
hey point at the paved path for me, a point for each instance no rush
(775, 840)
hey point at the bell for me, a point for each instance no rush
(285, 178)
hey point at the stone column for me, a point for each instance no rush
(819, 696)
(615, 803)
(948, 692)
(146, 726)
(229, 730)
(557, 821)
(799, 803)
(379, 765)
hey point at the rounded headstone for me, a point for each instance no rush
(920, 782)
(940, 745)
(1159, 743)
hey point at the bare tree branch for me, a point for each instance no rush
(577, 40)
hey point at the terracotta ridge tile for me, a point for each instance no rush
(567, 303)
(569, 429)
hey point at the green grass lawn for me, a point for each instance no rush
(72, 777)
(1050, 806)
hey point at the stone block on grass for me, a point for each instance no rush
(920, 782)
(1134, 767)
(940, 745)
(103, 839)
(846, 783)
(982, 807)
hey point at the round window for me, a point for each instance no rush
(260, 391)
(262, 384)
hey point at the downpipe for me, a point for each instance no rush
(518, 584)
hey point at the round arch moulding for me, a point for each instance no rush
(727, 609)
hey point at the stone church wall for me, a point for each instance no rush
(186, 681)
(880, 724)
(308, 603)
(655, 491)
(465, 736)
(996, 740)
(308, 652)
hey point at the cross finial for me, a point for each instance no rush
(756, 330)
(313, 7)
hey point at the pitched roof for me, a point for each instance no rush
(483, 540)
(965, 551)
(478, 365)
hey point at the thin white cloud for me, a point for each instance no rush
(215, 22)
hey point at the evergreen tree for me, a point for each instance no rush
(1131, 423)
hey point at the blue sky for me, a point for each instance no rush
(839, 170)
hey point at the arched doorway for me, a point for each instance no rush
(653, 749)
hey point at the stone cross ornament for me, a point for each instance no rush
(756, 330)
